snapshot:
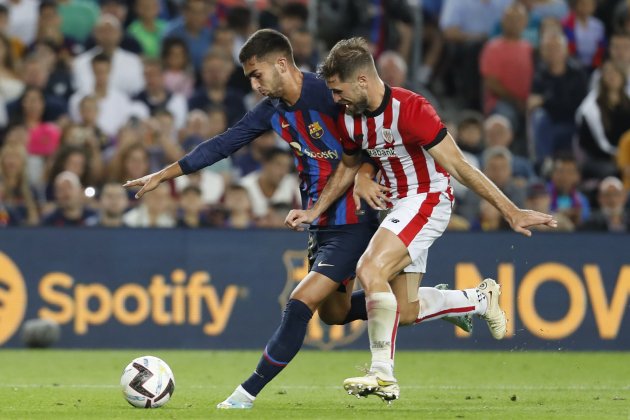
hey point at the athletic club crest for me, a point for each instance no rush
(315, 130)
(388, 136)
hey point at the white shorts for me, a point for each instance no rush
(418, 221)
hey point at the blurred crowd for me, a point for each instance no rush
(97, 92)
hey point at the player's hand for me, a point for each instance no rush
(296, 219)
(523, 219)
(374, 194)
(148, 183)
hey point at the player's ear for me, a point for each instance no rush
(362, 80)
(282, 64)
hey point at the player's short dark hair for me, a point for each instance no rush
(345, 58)
(264, 42)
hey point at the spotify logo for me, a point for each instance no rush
(12, 298)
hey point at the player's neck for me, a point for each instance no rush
(376, 93)
(293, 87)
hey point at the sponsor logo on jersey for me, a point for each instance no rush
(388, 136)
(318, 334)
(315, 130)
(325, 154)
(12, 298)
(379, 153)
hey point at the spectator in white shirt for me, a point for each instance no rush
(126, 73)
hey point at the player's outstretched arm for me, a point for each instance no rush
(337, 184)
(151, 181)
(449, 156)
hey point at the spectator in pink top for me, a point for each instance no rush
(507, 68)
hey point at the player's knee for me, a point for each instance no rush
(305, 299)
(408, 315)
(332, 317)
(370, 272)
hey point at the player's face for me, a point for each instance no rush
(264, 77)
(352, 94)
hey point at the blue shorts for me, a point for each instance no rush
(335, 250)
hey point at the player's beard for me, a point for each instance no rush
(358, 106)
(275, 86)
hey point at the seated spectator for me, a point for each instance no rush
(22, 20)
(469, 137)
(192, 28)
(211, 185)
(191, 212)
(273, 183)
(76, 136)
(11, 86)
(489, 220)
(178, 70)
(69, 159)
(250, 158)
(156, 97)
(49, 30)
(148, 29)
(214, 91)
(563, 187)
(8, 216)
(59, 75)
(304, 51)
(126, 67)
(539, 199)
(602, 119)
(131, 161)
(114, 106)
(618, 53)
(558, 88)
(19, 197)
(16, 46)
(586, 34)
(112, 204)
(153, 210)
(70, 208)
(293, 16)
(119, 10)
(238, 208)
(507, 67)
(275, 217)
(466, 25)
(88, 117)
(498, 132)
(612, 215)
(497, 166)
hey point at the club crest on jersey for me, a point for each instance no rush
(388, 136)
(318, 334)
(315, 130)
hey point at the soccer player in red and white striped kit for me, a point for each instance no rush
(416, 156)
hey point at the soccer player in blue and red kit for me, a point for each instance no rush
(299, 107)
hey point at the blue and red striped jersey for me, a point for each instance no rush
(309, 128)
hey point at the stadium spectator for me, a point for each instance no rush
(586, 34)
(619, 53)
(507, 67)
(497, 166)
(88, 117)
(58, 84)
(304, 51)
(467, 24)
(539, 199)
(623, 159)
(210, 184)
(112, 204)
(22, 19)
(240, 20)
(498, 132)
(293, 16)
(69, 159)
(268, 17)
(16, 45)
(489, 219)
(70, 208)
(118, 9)
(602, 119)
(469, 136)
(44, 137)
(250, 158)
(558, 88)
(75, 135)
(126, 67)
(130, 161)
(153, 210)
(156, 97)
(192, 28)
(621, 16)
(238, 208)
(19, 197)
(114, 106)
(563, 187)
(214, 90)
(612, 215)
(148, 28)
(8, 216)
(11, 86)
(273, 183)
(78, 18)
(191, 212)
(49, 31)
(178, 70)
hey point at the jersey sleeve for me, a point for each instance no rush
(348, 144)
(419, 120)
(253, 124)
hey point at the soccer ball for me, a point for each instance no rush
(147, 382)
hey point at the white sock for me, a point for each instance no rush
(241, 395)
(436, 304)
(382, 310)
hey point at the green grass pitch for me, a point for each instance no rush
(74, 384)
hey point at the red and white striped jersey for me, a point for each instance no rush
(397, 136)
